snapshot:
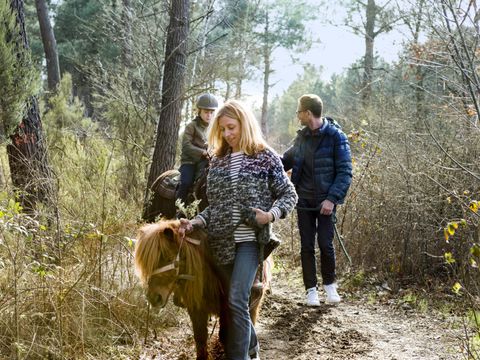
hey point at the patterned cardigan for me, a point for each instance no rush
(262, 183)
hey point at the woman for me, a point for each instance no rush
(245, 175)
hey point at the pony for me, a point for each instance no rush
(167, 263)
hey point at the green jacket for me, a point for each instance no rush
(194, 141)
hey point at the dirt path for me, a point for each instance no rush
(354, 329)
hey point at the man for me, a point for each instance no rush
(194, 146)
(321, 172)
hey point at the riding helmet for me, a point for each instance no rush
(207, 101)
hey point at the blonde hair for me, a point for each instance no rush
(251, 138)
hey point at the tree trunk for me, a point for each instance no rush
(266, 87)
(243, 54)
(199, 58)
(227, 90)
(27, 155)
(239, 80)
(127, 34)
(49, 45)
(419, 90)
(266, 78)
(369, 42)
(172, 95)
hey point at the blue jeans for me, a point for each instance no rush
(313, 225)
(241, 336)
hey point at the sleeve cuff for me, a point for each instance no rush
(200, 217)
(332, 199)
(276, 212)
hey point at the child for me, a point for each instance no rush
(194, 145)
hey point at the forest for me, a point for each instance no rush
(94, 97)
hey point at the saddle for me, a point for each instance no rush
(166, 184)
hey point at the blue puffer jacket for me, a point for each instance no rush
(332, 162)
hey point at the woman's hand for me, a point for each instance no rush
(186, 227)
(262, 217)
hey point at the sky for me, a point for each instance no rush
(336, 49)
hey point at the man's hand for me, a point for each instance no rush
(262, 217)
(326, 207)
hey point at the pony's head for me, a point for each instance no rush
(162, 257)
(155, 248)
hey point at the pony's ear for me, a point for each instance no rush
(169, 234)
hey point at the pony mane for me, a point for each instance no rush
(153, 245)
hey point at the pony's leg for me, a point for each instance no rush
(199, 318)
(258, 282)
(256, 296)
(256, 299)
(224, 321)
(224, 273)
(258, 292)
(263, 277)
(267, 274)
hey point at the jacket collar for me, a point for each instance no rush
(306, 132)
(200, 122)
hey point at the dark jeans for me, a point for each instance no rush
(187, 177)
(311, 224)
(188, 174)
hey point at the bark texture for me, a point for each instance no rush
(172, 95)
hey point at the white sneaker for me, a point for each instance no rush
(332, 295)
(312, 297)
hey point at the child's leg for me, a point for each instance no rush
(200, 168)
(187, 175)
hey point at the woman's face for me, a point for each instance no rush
(231, 131)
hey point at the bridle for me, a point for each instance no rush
(175, 265)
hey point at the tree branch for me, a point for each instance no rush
(468, 171)
(207, 44)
